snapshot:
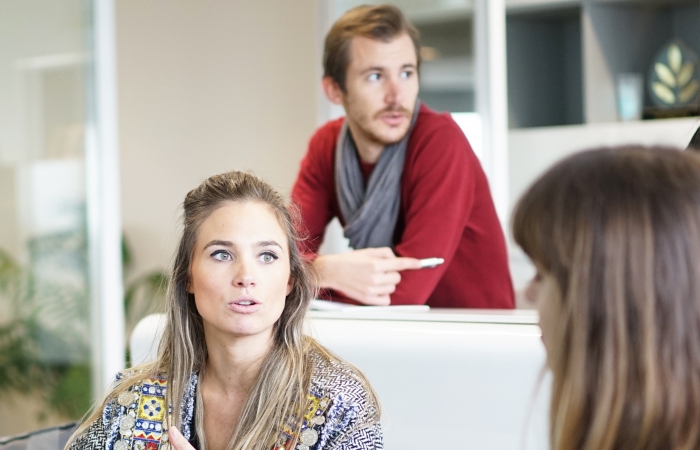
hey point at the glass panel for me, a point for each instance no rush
(446, 29)
(44, 298)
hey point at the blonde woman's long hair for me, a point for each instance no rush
(619, 231)
(281, 387)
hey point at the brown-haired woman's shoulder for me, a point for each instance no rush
(343, 410)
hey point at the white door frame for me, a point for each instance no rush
(103, 203)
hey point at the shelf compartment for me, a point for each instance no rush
(623, 36)
(544, 67)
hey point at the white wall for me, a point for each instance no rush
(206, 87)
(533, 151)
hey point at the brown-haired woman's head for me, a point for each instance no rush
(615, 236)
(380, 22)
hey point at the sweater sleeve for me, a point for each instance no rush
(438, 199)
(313, 190)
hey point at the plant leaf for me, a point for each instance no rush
(675, 58)
(665, 74)
(127, 259)
(689, 92)
(664, 94)
(686, 73)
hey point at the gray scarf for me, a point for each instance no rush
(370, 215)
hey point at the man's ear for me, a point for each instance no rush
(332, 91)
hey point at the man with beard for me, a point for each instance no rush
(402, 179)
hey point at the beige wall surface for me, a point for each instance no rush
(206, 87)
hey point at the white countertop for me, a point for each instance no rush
(421, 313)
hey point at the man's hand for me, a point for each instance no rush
(177, 440)
(369, 275)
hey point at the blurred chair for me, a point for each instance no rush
(144, 340)
(53, 438)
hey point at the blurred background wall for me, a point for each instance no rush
(203, 87)
(206, 87)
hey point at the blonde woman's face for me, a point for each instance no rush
(240, 274)
(543, 292)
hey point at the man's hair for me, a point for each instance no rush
(381, 22)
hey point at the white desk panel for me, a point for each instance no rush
(446, 378)
(458, 381)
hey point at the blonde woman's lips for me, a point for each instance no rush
(244, 305)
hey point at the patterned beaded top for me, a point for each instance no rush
(338, 415)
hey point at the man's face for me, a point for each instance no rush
(382, 86)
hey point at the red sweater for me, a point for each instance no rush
(446, 212)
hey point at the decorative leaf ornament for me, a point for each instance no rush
(675, 58)
(686, 73)
(674, 77)
(664, 93)
(689, 92)
(665, 75)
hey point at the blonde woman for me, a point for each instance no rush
(234, 369)
(615, 237)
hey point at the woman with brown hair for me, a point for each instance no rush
(615, 237)
(234, 368)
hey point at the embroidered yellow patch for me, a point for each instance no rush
(312, 407)
(151, 408)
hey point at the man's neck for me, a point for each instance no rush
(368, 150)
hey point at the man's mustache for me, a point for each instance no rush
(393, 110)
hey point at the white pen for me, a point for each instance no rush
(429, 263)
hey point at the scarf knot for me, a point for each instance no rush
(370, 213)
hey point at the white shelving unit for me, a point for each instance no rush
(563, 60)
(564, 55)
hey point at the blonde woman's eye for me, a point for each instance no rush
(222, 255)
(373, 77)
(268, 257)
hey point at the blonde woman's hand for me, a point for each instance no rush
(177, 440)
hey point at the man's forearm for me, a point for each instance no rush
(322, 269)
(369, 275)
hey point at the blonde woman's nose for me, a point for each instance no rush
(245, 281)
(243, 277)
